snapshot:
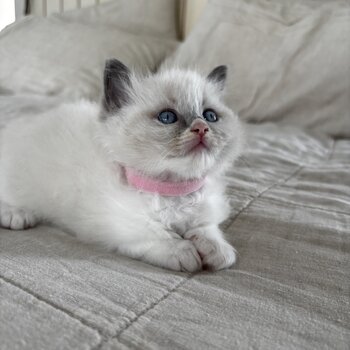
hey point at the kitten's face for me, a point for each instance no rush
(172, 124)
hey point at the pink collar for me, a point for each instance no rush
(164, 188)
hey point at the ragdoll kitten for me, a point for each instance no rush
(142, 174)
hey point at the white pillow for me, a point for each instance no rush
(150, 17)
(289, 61)
(56, 56)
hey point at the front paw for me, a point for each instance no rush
(184, 257)
(215, 254)
(174, 254)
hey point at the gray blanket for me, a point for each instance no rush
(290, 223)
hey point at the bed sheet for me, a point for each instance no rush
(290, 222)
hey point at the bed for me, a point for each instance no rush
(289, 192)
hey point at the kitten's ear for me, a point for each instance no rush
(116, 85)
(218, 76)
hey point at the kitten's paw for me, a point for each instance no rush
(185, 257)
(16, 219)
(216, 255)
(176, 254)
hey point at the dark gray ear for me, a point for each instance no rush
(116, 85)
(218, 76)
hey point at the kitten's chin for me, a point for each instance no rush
(198, 150)
(196, 147)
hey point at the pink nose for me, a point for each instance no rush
(199, 127)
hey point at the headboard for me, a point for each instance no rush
(46, 7)
(189, 10)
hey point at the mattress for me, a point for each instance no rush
(290, 223)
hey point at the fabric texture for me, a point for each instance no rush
(289, 61)
(58, 57)
(290, 219)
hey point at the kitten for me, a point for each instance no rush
(142, 174)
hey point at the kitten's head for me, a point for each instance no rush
(170, 124)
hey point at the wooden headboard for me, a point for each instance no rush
(46, 7)
(190, 10)
(188, 14)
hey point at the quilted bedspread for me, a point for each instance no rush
(290, 223)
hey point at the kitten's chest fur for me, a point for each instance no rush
(179, 214)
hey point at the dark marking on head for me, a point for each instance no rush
(116, 84)
(218, 76)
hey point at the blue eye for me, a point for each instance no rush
(167, 117)
(210, 116)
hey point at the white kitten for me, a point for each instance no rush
(142, 175)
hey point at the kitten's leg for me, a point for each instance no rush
(139, 238)
(174, 253)
(215, 252)
(15, 218)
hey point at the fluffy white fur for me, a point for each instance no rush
(66, 168)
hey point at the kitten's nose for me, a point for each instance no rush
(199, 127)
